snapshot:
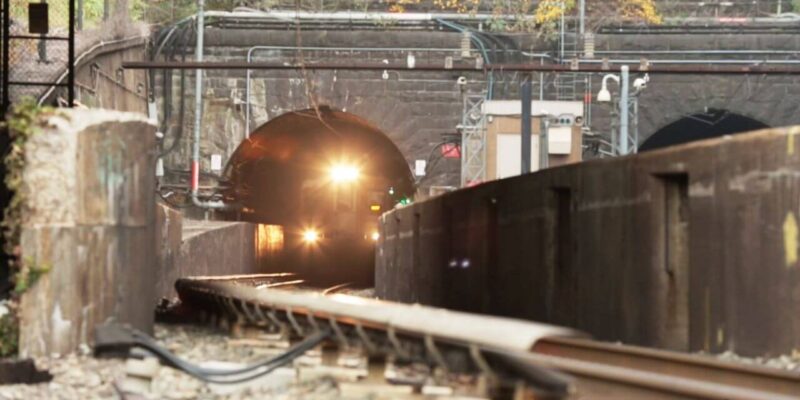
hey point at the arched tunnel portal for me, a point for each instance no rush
(324, 177)
(705, 125)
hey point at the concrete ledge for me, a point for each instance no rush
(199, 248)
(694, 247)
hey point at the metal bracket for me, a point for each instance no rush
(480, 362)
(390, 333)
(293, 321)
(276, 321)
(430, 347)
(312, 321)
(338, 331)
(371, 348)
(250, 316)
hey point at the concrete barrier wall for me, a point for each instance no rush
(187, 247)
(88, 219)
(688, 248)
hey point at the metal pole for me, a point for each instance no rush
(198, 101)
(636, 124)
(6, 69)
(525, 142)
(624, 139)
(582, 18)
(198, 120)
(71, 55)
(561, 55)
(544, 142)
(80, 15)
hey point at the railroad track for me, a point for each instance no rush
(518, 359)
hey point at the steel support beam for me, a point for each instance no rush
(787, 69)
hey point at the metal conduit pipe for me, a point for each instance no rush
(693, 62)
(291, 15)
(253, 49)
(710, 51)
(198, 119)
(482, 48)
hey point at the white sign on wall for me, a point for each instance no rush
(216, 162)
(419, 167)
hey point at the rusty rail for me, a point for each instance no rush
(552, 361)
(674, 364)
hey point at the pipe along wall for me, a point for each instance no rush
(693, 247)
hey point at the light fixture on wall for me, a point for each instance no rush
(604, 96)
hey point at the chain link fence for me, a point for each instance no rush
(37, 44)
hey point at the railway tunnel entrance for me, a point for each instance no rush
(321, 178)
(708, 124)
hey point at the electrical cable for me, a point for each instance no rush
(214, 375)
(481, 46)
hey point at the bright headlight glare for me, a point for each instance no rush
(310, 236)
(344, 173)
(375, 236)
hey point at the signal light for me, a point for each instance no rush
(375, 236)
(375, 207)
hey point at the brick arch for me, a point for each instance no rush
(412, 114)
(771, 100)
(707, 124)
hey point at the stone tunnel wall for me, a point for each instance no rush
(414, 109)
(89, 221)
(689, 248)
(772, 100)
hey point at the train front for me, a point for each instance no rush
(320, 184)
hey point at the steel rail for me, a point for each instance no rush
(673, 363)
(756, 68)
(538, 352)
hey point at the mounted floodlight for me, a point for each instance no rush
(604, 96)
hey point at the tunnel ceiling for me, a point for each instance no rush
(706, 125)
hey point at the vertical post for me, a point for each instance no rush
(525, 142)
(79, 17)
(582, 17)
(198, 97)
(544, 142)
(563, 32)
(624, 139)
(71, 55)
(247, 97)
(6, 26)
(106, 9)
(635, 124)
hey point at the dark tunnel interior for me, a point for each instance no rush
(324, 177)
(706, 125)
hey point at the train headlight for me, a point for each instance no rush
(375, 236)
(343, 173)
(310, 236)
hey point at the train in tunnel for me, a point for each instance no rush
(319, 179)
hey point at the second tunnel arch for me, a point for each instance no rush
(708, 124)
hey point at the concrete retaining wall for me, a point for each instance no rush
(88, 187)
(186, 247)
(689, 248)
